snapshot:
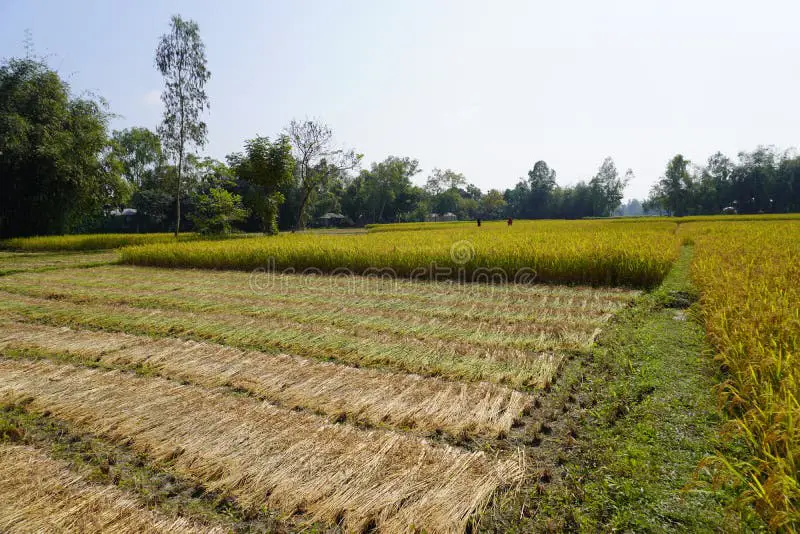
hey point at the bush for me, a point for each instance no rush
(217, 211)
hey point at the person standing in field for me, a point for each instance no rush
(510, 221)
(479, 222)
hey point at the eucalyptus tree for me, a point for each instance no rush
(181, 59)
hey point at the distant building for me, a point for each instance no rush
(435, 217)
(125, 212)
(332, 219)
(123, 220)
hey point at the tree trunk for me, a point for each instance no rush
(178, 197)
(299, 225)
(380, 213)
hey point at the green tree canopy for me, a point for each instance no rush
(216, 211)
(541, 182)
(442, 180)
(492, 205)
(671, 192)
(264, 169)
(608, 188)
(139, 151)
(57, 171)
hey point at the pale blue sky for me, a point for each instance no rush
(484, 88)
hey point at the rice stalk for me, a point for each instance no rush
(375, 397)
(40, 494)
(265, 455)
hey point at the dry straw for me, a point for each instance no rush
(367, 395)
(39, 494)
(264, 455)
(12, 262)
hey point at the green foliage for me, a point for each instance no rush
(762, 181)
(263, 170)
(443, 180)
(318, 161)
(181, 59)
(671, 192)
(386, 190)
(607, 188)
(55, 160)
(492, 205)
(540, 197)
(542, 181)
(152, 205)
(217, 211)
(139, 152)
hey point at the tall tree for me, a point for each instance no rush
(385, 183)
(266, 167)
(181, 59)
(139, 151)
(443, 180)
(542, 182)
(671, 192)
(56, 168)
(318, 161)
(714, 189)
(608, 188)
(492, 204)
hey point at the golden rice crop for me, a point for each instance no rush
(368, 395)
(403, 227)
(579, 252)
(749, 277)
(265, 455)
(39, 494)
(710, 218)
(90, 241)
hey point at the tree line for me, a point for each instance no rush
(62, 170)
(762, 181)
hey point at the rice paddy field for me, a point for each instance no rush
(89, 241)
(749, 278)
(213, 386)
(569, 252)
